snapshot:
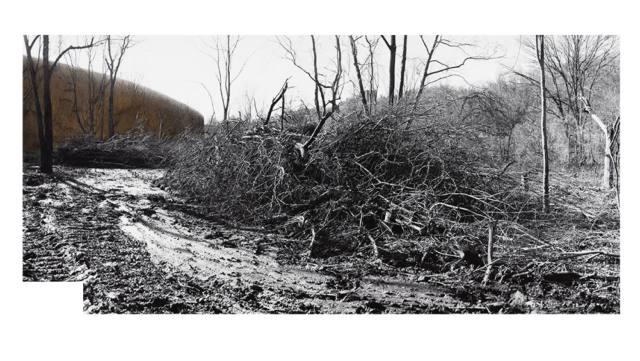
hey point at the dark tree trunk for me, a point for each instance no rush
(282, 115)
(363, 95)
(279, 97)
(402, 67)
(392, 69)
(543, 125)
(45, 115)
(33, 73)
(46, 147)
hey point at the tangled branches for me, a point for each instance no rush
(368, 181)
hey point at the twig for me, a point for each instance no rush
(375, 247)
(585, 253)
(487, 274)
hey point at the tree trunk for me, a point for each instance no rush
(363, 95)
(402, 67)
(111, 120)
(46, 148)
(282, 114)
(45, 118)
(425, 74)
(33, 73)
(392, 69)
(608, 137)
(373, 89)
(606, 176)
(276, 99)
(543, 126)
(606, 180)
(318, 89)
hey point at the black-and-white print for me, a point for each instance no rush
(351, 174)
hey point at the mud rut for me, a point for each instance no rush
(136, 252)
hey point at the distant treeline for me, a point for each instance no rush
(80, 107)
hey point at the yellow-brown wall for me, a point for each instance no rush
(130, 100)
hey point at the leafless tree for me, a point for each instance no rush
(94, 96)
(356, 64)
(222, 51)
(113, 60)
(543, 122)
(74, 68)
(278, 98)
(44, 112)
(575, 64)
(213, 108)
(494, 111)
(161, 118)
(87, 106)
(434, 66)
(321, 88)
(609, 136)
(403, 64)
(392, 66)
(372, 92)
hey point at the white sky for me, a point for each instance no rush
(176, 66)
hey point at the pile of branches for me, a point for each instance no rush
(368, 181)
(139, 150)
(237, 177)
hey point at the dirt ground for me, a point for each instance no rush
(137, 249)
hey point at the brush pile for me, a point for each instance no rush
(369, 185)
(139, 150)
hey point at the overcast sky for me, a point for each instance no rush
(179, 66)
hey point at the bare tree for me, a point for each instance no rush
(609, 135)
(322, 100)
(543, 123)
(113, 62)
(575, 64)
(403, 64)
(440, 67)
(161, 118)
(282, 114)
(373, 84)
(44, 112)
(213, 109)
(433, 66)
(222, 53)
(392, 66)
(94, 96)
(87, 105)
(73, 74)
(494, 112)
(363, 97)
(278, 98)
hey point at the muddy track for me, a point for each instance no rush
(114, 231)
(137, 249)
